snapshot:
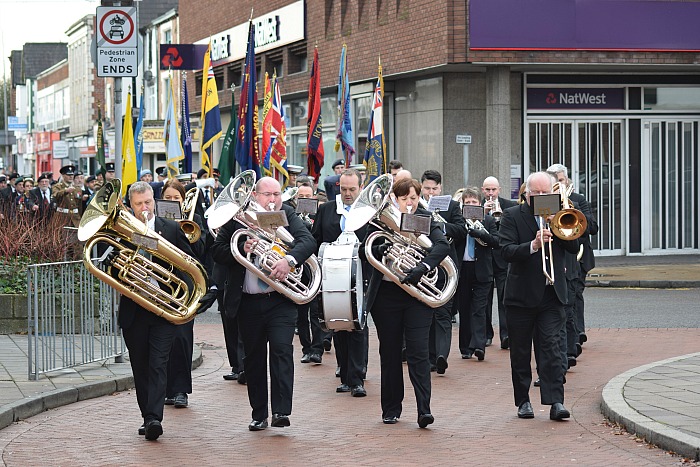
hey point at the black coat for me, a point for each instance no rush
(483, 259)
(588, 259)
(456, 229)
(496, 253)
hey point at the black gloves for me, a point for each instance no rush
(207, 300)
(110, 258)
(416, 273)
(478, 233)
(378, 251)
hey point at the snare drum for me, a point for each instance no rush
(342, 296)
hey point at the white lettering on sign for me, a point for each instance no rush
(267, 31)
(220, 48)
(117, 62)
(582, 98)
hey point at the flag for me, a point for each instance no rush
(278, 156)
(129, 172)
(247, 149)
(344, 137)
(100, 157)
(138, 136)
(171, 136)
(314, 130)
(228, 151)
(185, 131)
(375, 152)
(266, 148)
(210, 118)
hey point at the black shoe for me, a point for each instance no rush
(153, 430)
(571, 361)
(558, 412)
(231, 376)
(489, 342)
(537, 383)
(358, 391)
(337, 372)
(425, 420)
(257, 425)
(582, 338)
(315, 358)
(441, 365)
(296, 331)
(180, 400)
(505, 343)
(343, 388)
(525, 410)
(169, 401)
(279, 420)
(390, 420)
(480, 354)
(433, 367)
(142, 429)
(241, 377)
(579, 349)
(306, 358)
(467, 355)
(326, 345)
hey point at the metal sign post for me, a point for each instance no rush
(465, 140)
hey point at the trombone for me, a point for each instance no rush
(549, 274)
(189, 226)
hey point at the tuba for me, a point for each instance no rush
(189, 226)
(271, 245)
(154, 287)
(407, 250)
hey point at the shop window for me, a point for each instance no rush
(672, 98)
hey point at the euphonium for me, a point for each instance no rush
(406, 251)
(568, 223)
(189, 226)
(153, 286)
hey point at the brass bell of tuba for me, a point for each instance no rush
(407, 250)
(153, 286)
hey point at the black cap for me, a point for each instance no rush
(337, 163)
(162, 171)
(19, 180)
(90, 178)
(109, 166)
(3, 178)
(79, 173)
(13, 175)
(216, 172)
(67, 170)
(201, 173)
(43, 177)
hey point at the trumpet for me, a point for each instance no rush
(191, 229)
(473, 224)
(496, 210)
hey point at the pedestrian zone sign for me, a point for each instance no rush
(116, 33)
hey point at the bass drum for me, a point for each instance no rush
(342, 295)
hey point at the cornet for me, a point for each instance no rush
(189, 226)
(496, 210)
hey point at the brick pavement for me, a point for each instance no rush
(472, 403)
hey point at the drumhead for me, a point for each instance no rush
(342, 295)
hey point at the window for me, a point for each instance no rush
(167, 36)
(273, 64)
(672, 98)
(235, 75)
(298, 61)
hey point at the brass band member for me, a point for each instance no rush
(532, 302)
(265, 316)
(396, 314)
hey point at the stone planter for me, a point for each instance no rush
(13, 313)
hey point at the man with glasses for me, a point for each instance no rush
(265, 317)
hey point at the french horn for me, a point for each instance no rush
(153, 286)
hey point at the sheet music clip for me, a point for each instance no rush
(271, 220)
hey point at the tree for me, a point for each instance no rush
(5, 92)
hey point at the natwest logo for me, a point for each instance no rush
(581, 98)
(576, 98)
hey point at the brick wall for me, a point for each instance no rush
(55, 76)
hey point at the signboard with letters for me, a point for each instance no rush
(116, 32)
(576, 98)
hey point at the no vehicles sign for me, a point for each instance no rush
(117, 41)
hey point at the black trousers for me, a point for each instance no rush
(149, 341)
(580, 286)
(268, 319)
(350, 353)
(396, 314)
(546, 319)
(234, 345)
(310, 333)
(180, 360)
(473, 297)
(441, 331)
(499, 281)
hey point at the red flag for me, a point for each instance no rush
(314, 146)
(267, 126)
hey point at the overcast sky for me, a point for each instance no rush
(38, 21)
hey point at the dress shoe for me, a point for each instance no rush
(525, 410)
(467, 355)
(142, 429)
(390, 420)
(505, 343)
(425, 419)
(306, 358)
(489, 342)
(231, 376)
(337, 372)
(571, 361)
(241, 377)
(315, 358)
(364, 373)
(327, 345)
(257, 425)
(558, 412)
(279, 420)
(180, 400)
(480, 354)
(358, 391)
(153, 429)
(537, 383)
(343, 388)
(169, 400)
(433, 367)
(579, 349)
(582, 338)
(441, 364)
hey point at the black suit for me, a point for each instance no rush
(264, 318)
(332, 186)
(441, 328)
(351, 347)
(532, 304)
(46, 208)
(397, 315)
(587, 260)
(149, 337)
(500, 270)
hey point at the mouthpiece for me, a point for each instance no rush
(271, 206)
(409, 209)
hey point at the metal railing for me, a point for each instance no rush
(72, 318)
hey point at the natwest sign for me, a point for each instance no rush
(576, 98)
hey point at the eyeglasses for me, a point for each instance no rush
(276, 194)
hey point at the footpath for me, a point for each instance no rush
(659, 402)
